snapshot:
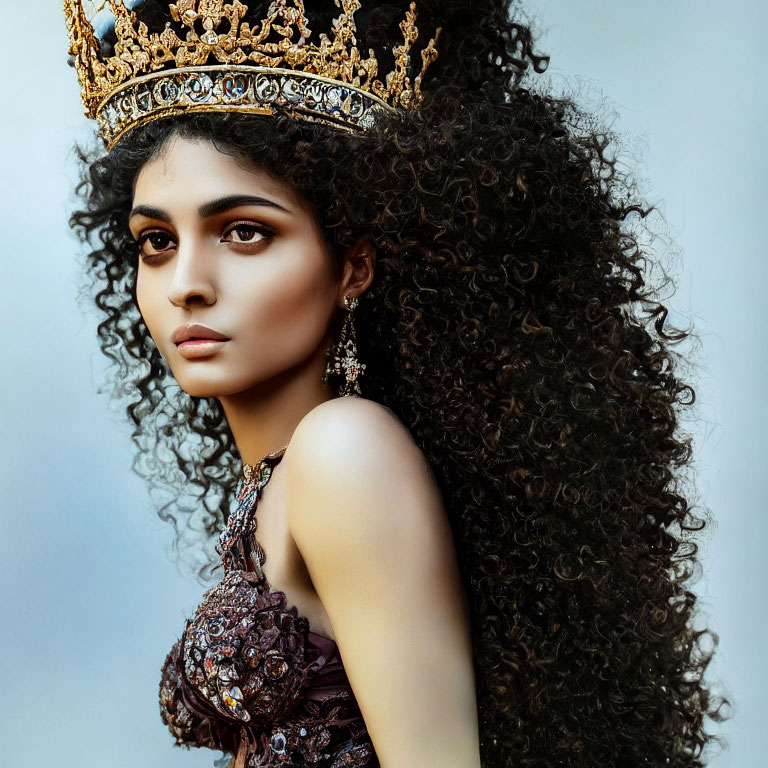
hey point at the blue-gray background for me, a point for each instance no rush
(91, 598)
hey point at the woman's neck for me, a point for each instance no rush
(263, 419)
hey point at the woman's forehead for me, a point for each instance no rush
(196, 168)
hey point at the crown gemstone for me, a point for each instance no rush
(266, 89)
(110, 114)
(199, 88)
(292, 90)
(144, 100)
(166, 92)
(313, 93)
(334, 97)
(234, 87)
(354, 105)
(210, 38)
(125, 106)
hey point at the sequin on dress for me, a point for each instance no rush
(248, 676)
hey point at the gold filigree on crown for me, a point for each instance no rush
(155, 74)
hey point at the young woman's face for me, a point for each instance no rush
(238, 252)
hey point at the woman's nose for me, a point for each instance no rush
(192, 281)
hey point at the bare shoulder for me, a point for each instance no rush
(369, 523)
(357, 450)
(353, 433)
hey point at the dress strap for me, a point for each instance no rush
(241, 519)
(254, 472)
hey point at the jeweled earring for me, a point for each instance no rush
(342, 357)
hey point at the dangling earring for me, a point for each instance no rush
(342, 359)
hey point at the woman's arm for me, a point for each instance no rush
(369, 521)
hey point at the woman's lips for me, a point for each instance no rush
(196, 332)
(197, 348)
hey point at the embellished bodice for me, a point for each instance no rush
(248, 676)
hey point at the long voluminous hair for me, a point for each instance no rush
(511, 327)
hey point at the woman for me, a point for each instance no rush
(516, 446)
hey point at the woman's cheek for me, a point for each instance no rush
(300, 307)
(292, 326)
(145, 303)
(151, 298)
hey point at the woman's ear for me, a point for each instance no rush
(358, 269)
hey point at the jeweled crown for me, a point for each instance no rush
(223, 64)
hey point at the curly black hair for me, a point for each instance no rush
(512, 328)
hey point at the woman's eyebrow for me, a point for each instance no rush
(233, 201)
(150, 212)
(209, 209)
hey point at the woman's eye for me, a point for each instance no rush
(247, 233)
(152, 243)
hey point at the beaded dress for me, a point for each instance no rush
(248, 676)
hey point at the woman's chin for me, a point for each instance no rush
(200, 388)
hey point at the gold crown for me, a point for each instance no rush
(158, 74)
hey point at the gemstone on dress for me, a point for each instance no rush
(210, 666)
(287, 644)
(166, 91)
(227, 675)
(252, 656)
(215, 627)
(275, 667)
(199, 88)
(234, 87)
(302, 731)
(266, 88)
(233, 698)
(278, 743)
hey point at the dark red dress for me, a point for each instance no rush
(249, 677)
